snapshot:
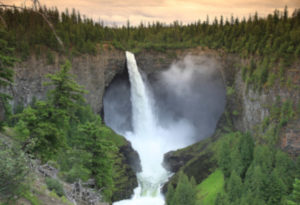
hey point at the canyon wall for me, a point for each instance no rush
(96, 72)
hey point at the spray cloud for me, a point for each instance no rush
(174, 109)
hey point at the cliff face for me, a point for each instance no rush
(96, 72)
(254, 108)
(92, 72)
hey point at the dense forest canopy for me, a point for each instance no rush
(270, 45)
(276, 34)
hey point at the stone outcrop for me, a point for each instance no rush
(126, 181)
(84, 195)
(92, 72)
(48, 171)
(79, 193)
(131, 157)
(254, 106)
(196, 161)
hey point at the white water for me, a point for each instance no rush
(150, 140)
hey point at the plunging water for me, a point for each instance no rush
(150, 140)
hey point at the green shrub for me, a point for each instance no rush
(50, 58)
(230, 91)
(271, 79)
(32, 198)
(77, 172)
(209, 188)
(55, 185)
(13, 170)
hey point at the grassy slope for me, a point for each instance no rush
(209, 188)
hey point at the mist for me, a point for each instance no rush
(163, 112)
(189, 93)
(192, 89)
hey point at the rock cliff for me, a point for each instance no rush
(96, 72)
(92, 72)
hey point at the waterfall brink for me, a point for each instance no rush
(150, 140)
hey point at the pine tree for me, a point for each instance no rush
(255, 182)
(285, 167)
(297, 168)
(275, 188)
(224, 159)
(67, 95)
(170, 194)
(185, 192)
(6, 74)
(95, 140)
(234, 187)
(41, 131)
(246, 147)
(295, 199)
(13, 169)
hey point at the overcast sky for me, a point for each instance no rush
(119, 11)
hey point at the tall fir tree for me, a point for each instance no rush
(95, 139)
(6, 74)
(185, 192)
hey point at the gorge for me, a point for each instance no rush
(103, 74)
(164, 122)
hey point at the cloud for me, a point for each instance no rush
(186, 11)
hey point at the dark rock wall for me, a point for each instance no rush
(92, 72)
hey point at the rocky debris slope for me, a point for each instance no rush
(78, 193)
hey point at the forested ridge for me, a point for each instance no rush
(277, 34)
(270, 44)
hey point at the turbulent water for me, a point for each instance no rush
(150, 140)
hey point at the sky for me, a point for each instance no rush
(117, 12)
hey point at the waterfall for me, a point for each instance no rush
(145, 139)
(150, 140)
(142, 114)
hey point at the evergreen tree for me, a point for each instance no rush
(275, 188)
(67, 95)
(234, 187)
(295, 199)
(222, 199)
(95, 139)
(170, 194)
(224, 159)
(185, 192)
(297, 169)
(13, 169)
(246, 147)
(6, 73)
(255, 182)
(40, 131)
(236, 161)
(286, 169)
